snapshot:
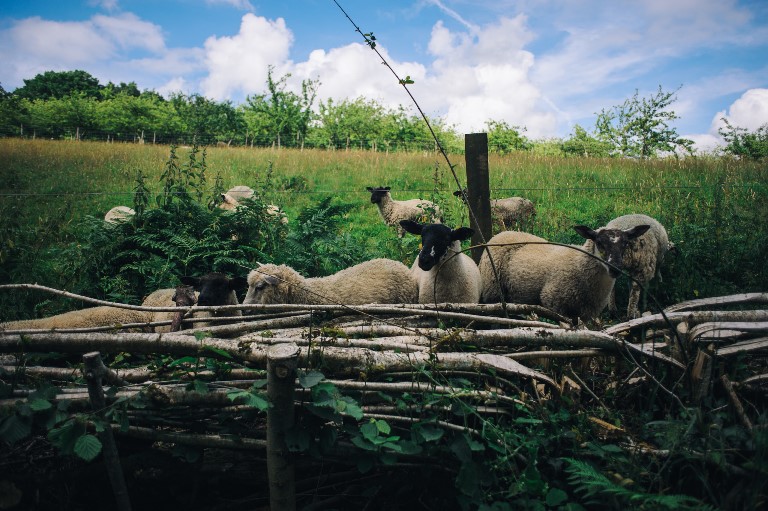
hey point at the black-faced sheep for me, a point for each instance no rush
(443, 272)
(642, 258)
(393, 211)
(119, 214)
(509, 213)
(374, 281)
(567, 281)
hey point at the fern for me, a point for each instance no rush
(594, 487)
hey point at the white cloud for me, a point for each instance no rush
(128, 31)
(750, 111)
(237, 65)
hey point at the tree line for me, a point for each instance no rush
(75, 105)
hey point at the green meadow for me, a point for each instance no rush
(715, 209)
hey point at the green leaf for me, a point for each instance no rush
(198, 386)
(218, 351)
(383, 427)
(310, 379)
(39, 405)
(369, 431)
(555, 497)
(430, 433)
(13, 428)
(87, 447)
(202, 335)
(183, 360)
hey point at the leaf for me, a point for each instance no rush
(430, 433)
(555, 497)
(352, 408)
(13, 428)
(218, 351)
(369, 431)
(310, 379)
(87, 447)
(39, 405)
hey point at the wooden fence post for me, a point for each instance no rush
(281, 376)
(94, 372)
(478, 189)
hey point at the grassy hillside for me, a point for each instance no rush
(714, 209)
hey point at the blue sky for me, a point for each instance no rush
(542, 64)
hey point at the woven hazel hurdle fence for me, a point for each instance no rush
(372, 351)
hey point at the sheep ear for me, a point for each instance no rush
(271, 280)
(387, 188)
(462, 233)
(457, 193)
(637, 230)
(412, 227)
(190, 281)
(585, 232)
(238, 283)
(369, 188)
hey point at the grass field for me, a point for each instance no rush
(714, 208)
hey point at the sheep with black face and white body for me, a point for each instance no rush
(568, 281)
(393, 211)
(444, 273)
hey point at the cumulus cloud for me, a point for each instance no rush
(750, 111)
(237, 65)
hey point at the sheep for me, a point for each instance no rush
(374, 281)
(642, 258)
(119, 214)
(443, 272)
(508, 213)
(231, 200)
(213, 288)
(568, 281)
(393, 211)
(183, 296)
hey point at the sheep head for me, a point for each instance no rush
(436, 239)
(611, 243)
(378, 193)
(214, 288)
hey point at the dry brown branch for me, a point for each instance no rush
(719, 300)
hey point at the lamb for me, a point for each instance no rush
(642, 258)
(214, 289)
(567, 281)
(374, 281)
(393, 211)
(443, 272)
(508, 213)
(119, 214)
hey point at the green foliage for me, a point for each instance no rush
(59, 85)
(582, 143)
(744, 143)
(503, 138)
(639, 127)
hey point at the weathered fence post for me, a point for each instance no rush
(281, 375)
(94, 372)
(478, 189)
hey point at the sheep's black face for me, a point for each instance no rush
(611, 244)
(214, 288)
(436, 239)
(378, 193)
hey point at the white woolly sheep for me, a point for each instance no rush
(119, 214)
(374, 281)
(508, 213)
(443, 272)
(642, 258)
(393, 211)
(214, 289)
(231, 200)
(567, 281)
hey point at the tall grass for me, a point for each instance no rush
(714, 209)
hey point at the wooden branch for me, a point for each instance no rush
(720, 300)
(757, 344)
(213, 441)
(692, 318)
(736, 402)
(725, 330)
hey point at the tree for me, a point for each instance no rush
(582, 143)
(60, 84)
(504, 138)
(284, 115)
(743, 143)
(640, 126)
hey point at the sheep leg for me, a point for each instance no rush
(612, 303)
(634, 299)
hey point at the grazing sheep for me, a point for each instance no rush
(119, 214)
(231, 200)
(642, 258)
(214, 289)
(567, 281)
(393, 211)
(443, 272)
(374, 281)
(508, 213)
